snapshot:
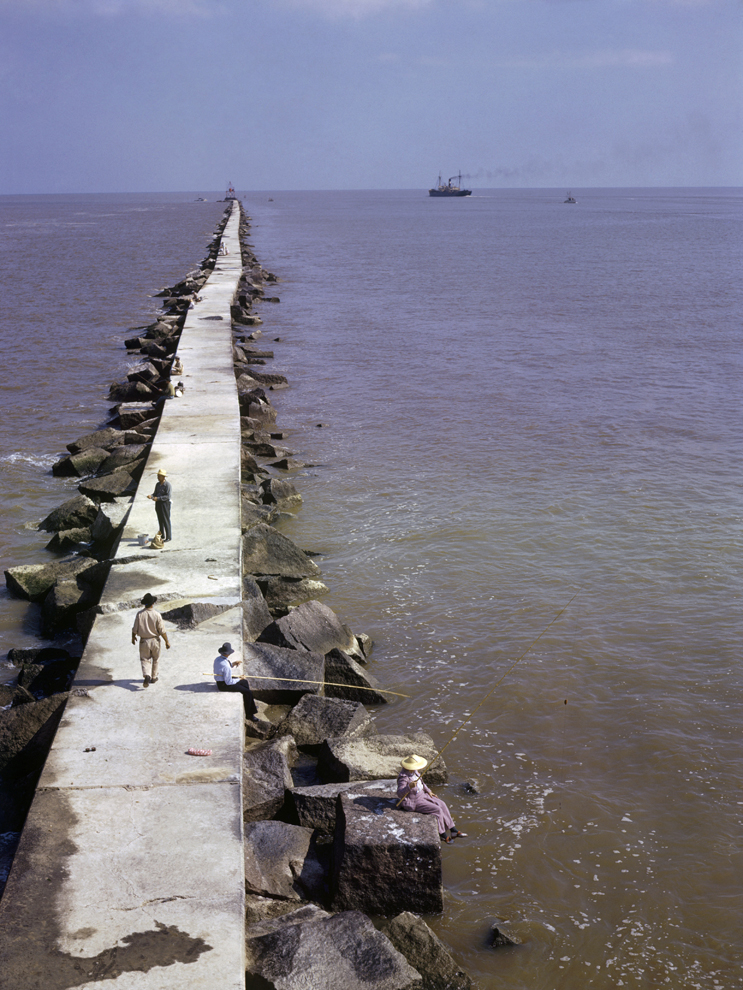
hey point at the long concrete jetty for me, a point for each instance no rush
(130, 868)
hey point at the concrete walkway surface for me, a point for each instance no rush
(129, 873)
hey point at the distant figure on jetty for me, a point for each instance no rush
(167, 389)
(416, 796)
(177, 367)
(161, 497)
(226, 682)
(148, 625)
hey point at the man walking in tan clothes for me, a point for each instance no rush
(148, 625)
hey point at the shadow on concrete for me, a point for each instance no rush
(199, 688)
(128, 683)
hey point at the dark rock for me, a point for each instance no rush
(266, 778)
(62, 604)
(365, 644)
(256, 615)
(263, 449)
(257, 409)
(425, 952)
(340, 668)
(33, 581)
(274, 920)
(385, 860)
(103, 439)
(280, 493)
(470, 787)
(269, 379)
(189, 616)
(345, 951)
(314, 719)
(266, 552)
(79, 465)
(377, 758)
(43, 680)
(6, 696)
(69, 539)
(75, 513)
(22, 696)
(253, 514)
(130, 391)
(263, 909)
(316, 806)
(249, 467)
(37, 655)
(145, 371)
(287, 464)
(134, 413)
(111, 516)
(122, 457)
(281, 593)
(311, 626)
(497, 939)
(107, 487)
(285, 675)
(283, 861)
(26, 733)
(154, 350)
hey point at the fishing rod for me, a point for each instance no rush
(496, 685)
(304, 680)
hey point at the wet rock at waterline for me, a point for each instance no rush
(34, 581)
(267, 552)
(282, 593)
(107, 487)
(358, 685)
(312, 626)
(69, 539)
(283, 494)
(80, 465)
(375, 846)
(75, 513)
(425, 951)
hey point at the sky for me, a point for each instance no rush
(168, 95)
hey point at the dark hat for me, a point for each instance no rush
(226, 648)
(149, 599)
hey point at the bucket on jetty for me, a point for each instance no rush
(143, 539)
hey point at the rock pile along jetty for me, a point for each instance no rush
(323, 845)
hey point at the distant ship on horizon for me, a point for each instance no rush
(449, 190)
(571, 198)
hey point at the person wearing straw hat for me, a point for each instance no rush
(226, 682)
(161, 497)
(148, 625)
(416, 796)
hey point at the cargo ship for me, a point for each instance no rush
(449, 190)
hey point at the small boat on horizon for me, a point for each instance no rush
(571, 198)
(449, 190)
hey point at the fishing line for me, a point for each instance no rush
(303, 680)
(502, 678)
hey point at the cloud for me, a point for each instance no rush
(116, 8)
(633, 58)
(352, 8)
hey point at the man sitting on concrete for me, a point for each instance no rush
(226, 682)
(148, 625)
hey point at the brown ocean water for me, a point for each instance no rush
(520, 400)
